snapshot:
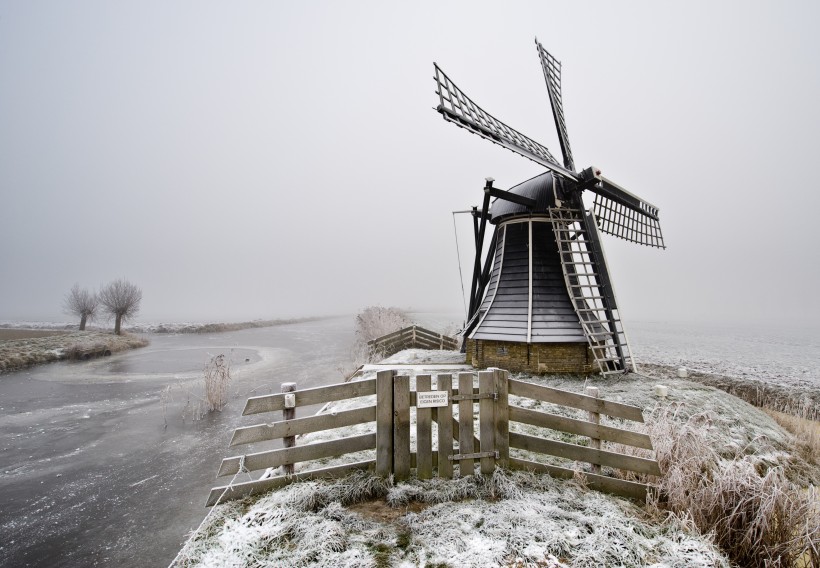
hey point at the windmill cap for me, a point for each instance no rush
(539, 188)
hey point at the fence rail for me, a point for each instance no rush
(413, 337)
(287, 429)
(461, 404)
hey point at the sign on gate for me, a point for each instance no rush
(432, 399)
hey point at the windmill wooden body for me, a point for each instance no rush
(542, 299)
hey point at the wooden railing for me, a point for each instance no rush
(289, 429)
(590, 429)
(413, 337)
(456, 440)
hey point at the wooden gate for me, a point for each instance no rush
(452, 409)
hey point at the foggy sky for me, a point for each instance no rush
(271, 159)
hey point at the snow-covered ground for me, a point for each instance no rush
(507, 519)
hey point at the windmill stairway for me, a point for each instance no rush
(590, 291)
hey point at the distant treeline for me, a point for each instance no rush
(219, 327)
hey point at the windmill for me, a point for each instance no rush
(542, 299)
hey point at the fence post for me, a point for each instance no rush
(486, 414)
(289, 413)
(401, 427)
(384, 423)
(502, 417)
(595, 418)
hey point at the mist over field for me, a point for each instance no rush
(267, 160)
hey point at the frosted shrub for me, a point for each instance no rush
(374, 322)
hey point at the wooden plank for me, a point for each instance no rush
(318, 395)
(401, 427)
(428, 335)
(427, 344)
(396, 336)
(424, 432)
(580, 401)
(283, 456)
(580, 427)
(486, 419)
(444, 421)
(261, 432)
(465, 425)
(502, 419)
(611, 485)
(580, 453)
(384, 423)
(457, 435)
(391, 335)
(414, 459)
(248, 488)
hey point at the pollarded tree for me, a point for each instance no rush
(121, 300)
(80, 302)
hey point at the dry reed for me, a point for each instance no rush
(745, 503)
(217, 381)
(806, 434)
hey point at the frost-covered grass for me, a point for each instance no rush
(798, 398)
(506, 519)
(18, 353)
(737, 471)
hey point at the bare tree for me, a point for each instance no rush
(121, 300)
(80, 302)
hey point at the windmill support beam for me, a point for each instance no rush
(485, 273)
(507, 196)
(479, 245)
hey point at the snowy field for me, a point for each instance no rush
(787, 355)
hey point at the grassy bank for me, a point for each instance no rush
(798, 400)
(38, 346)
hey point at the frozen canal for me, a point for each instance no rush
(89, 472)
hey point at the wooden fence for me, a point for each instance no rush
(457, 444)
(413, 337)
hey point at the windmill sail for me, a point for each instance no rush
(628, 223)
(458, 108)
(587, 280)
(622, 213)
(552, 75)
